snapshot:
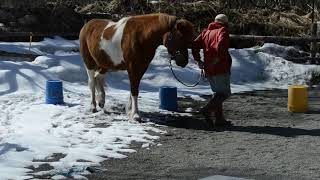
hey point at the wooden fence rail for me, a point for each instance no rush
(274, 39)
(36, 34)
(237, 39)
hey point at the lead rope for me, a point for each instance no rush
(201, 76)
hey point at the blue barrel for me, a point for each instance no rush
(168, 98)
(54, 92)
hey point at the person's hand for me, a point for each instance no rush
(200, 64)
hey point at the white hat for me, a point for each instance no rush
(221, 18)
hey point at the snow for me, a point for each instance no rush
(219, 177)
(33, 133)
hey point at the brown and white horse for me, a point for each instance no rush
(130, 44)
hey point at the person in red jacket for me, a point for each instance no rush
(217, 65)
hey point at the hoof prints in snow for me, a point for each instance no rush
(34, 134)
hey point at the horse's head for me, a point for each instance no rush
(178, 40)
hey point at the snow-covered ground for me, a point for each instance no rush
(32, 132)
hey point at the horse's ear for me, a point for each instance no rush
(184, 26)
(167, 20)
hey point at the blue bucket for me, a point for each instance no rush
(168, 98)
(54, 92)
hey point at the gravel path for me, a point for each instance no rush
(266, 142)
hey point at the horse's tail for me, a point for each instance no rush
(84, 49)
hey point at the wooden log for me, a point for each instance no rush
(304, 60)
(13, 56)
(275, 39)
(313, 48)
(232, 36)
(36, 34)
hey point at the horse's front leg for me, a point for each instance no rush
(134, 112)
(129, 105)
(99, 78)
(135, 78)
(92, 84)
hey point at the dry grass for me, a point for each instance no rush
(244, 17)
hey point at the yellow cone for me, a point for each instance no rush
(297, 99)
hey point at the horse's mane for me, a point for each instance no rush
(167, 20)
(164, 20)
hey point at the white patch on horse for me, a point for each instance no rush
(109, 25)
(134, 104)
(99, 80)
(134, 115)
(92, 84)
(91, 77)
(112, 47)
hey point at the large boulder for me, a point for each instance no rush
(65, 19)
(28, 20)
(6, 16)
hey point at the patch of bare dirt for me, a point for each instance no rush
(266, 142)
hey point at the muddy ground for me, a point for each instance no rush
(266, 142)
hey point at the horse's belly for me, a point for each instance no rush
(121, 66)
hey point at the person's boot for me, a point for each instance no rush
(211, 108)
(220, 119)
(207, 110)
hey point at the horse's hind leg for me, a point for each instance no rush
(90, 67)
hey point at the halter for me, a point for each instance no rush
(170, 43)
(171, 40)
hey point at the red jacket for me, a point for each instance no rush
(215, 43)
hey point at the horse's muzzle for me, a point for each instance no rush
(181, 58)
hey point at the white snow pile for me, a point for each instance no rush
(70, 138)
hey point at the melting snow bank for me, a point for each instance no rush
(252, 69)
(218, 177)
(33, 133)
(46, 47)
(266, 68)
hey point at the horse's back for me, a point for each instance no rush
(93, 29)
(89, 38)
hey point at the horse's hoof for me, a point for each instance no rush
(94, 110)
(136, 118)
(128, 109)
(101, 105)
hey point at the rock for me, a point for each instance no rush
(86, 8)
(28, 20)
(3, 27)
(66, 20)
(198, 3)
(309, 15)
(6, 16)
(153, 1)
(12, 24)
